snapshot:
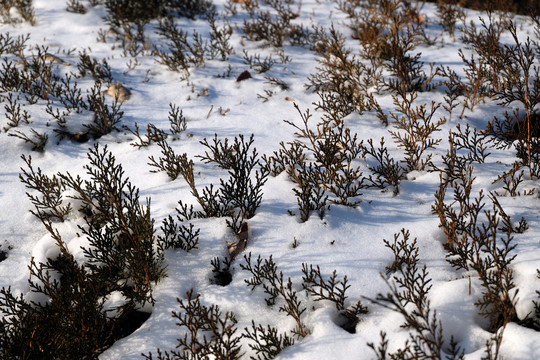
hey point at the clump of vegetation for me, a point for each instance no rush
(342, 80)
(37, 140)
(25, 11)
(209, 332)
(333, 290)
(408, 296)
(37, 80)
(536, 319)
(238, 197)
(49, 203)
(181, 52)
(520, 126)
(522, 7)
(385, 170)
(127, 14)
(36, 77)
(106, 118)
(100, 70)
(14, 115)
(177, 126)
(327, 162)
(414, 130)
(265, 274)
(450, 12)
(71, 324)
(481, 241)
(124, 254)
(389, 32)
(403, 32)
(333, 171)
(76, 7)
(74, 320)
(273, 27)
(268, 342)
(170, 163)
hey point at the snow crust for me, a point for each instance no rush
(348, 240)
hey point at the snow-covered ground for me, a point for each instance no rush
(348, 240)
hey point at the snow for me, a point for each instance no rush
(348, 240)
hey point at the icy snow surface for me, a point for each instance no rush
(348, 240)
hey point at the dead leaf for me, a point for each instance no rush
(55, 59)
(118, 91)
(113, 32)
(243, 232)
(236, 247)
